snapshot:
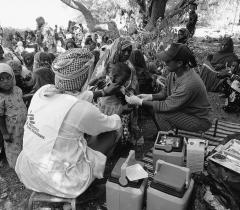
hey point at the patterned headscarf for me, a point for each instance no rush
(72, 68)
(39, 57)
(111, 55)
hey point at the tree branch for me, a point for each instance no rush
(92, 23)
(181, 6)
(90, 20)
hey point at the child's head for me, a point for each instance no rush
(235, 67)
(6, 78)
(119, 73)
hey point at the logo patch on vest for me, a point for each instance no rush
(30, 125)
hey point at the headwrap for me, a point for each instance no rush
(125, 44)
(228, 43)
(5, 68)
(72, 68)
(16, 67)
(39, 58)
(185, 35)
(111, 55)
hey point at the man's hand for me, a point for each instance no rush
(146, 97)
(134, 100)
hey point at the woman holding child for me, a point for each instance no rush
(119, 52)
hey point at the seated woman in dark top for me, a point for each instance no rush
(225, 56)
(219, 62)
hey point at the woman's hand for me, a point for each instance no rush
(146, 97)
(111, 89)
(134, 100)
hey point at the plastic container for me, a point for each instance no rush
(170, 148)
(121, 194)
(171, 187)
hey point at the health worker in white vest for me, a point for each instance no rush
(56, 158)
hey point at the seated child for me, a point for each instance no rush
(119, 73)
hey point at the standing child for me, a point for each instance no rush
(13, 114)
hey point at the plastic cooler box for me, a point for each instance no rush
(170, 148)
(171, 187)
(122, 194)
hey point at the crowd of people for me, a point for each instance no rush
(67, 98)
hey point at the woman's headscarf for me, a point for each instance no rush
(185, 35)
(5, 68)
(227, 42)
(111, 55)
(225, 56)
(38, 60)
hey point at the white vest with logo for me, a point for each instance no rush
(45, 117)
(36, 166)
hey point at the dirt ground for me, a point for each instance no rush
(16, 196)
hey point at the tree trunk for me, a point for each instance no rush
(92, 23)
(157, 10)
